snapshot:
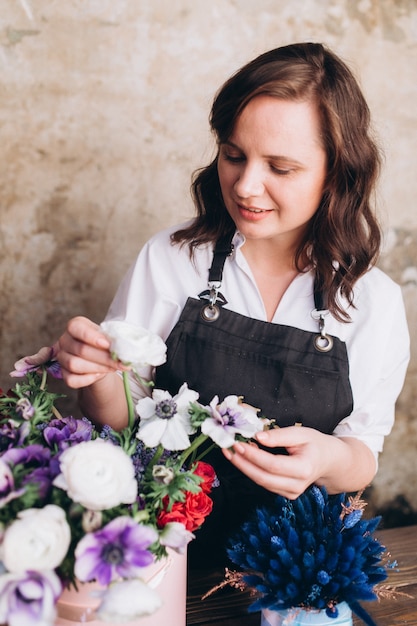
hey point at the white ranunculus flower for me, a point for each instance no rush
(127, 600)
(134, 345)
(97, 474)
(37, 540)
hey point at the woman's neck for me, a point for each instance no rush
(273, 270)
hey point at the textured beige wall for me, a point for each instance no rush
(103, 116)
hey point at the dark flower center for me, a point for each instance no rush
(112, 554)
(166, 409)
(229, 417)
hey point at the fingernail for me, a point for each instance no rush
(227, 453)
(239, 448)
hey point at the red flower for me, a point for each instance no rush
(197, 507)
(190, 513)
(176, 514)
(208, 475)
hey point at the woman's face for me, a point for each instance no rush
(273, 168)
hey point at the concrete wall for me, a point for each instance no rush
(103, 116)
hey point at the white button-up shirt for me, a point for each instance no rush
(155, 289)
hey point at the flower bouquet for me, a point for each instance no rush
(310, 560)
(81, 504)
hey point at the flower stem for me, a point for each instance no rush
(129, 400)
(44, 379)
(158, 453)
(142, 381)
(56, 412)
(203, 454)
(198, 441)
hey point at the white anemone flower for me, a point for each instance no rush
(230, 418)
(165, 419)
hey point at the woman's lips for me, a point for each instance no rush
(252, 212)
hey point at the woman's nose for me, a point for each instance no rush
(249, 182)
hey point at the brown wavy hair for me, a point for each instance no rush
(343, 237)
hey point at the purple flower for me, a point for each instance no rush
(117, 550)
(45, 356)
(229, 418)
(35, 454)
(143, 456)
(37, 468)
(42, 477)
(11, 436)
(25, 408)
(66, 431)
(29, 598)
(7, 486)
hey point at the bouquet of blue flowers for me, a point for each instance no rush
(313, 552)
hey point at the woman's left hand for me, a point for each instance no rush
(313, 457)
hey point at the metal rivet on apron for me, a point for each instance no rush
(322, 342)
(210, 313)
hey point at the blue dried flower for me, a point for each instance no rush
(315, 551)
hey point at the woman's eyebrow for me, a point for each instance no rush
(272, 157)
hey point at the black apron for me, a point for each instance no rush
(291, 375)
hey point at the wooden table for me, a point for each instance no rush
(228, 607)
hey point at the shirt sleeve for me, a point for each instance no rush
(379, 363)
(154, 290)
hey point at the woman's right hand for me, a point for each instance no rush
(83, 352)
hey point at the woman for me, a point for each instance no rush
(296, 317)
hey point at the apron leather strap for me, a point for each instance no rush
(222, 250)
(319, 300)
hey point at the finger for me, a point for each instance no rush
(255, 462)
(94, 364)
(283, 484)
(86, 331)
(246, 454)
(75, 381)
(250, 458)
(283, 437)
(79, 359)
(84, 339)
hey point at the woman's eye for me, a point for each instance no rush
(234, 158)
(280, 171)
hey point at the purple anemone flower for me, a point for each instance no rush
(10, 436)
(35, 454)
(42, 477)
(7, 486)
(29, 598)
(38, 469)
(46, 357)
(120, 549)
(67, 431)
